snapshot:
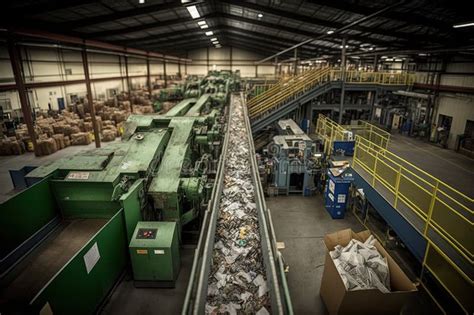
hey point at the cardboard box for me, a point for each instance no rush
(340, 301)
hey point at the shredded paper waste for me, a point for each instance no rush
(361, 266)
(237, 282)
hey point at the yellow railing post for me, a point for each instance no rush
(430, 210)
(397, 186)
(375, 168)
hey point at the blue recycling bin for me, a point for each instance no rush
(337, 194)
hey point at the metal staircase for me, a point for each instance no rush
(287, 95)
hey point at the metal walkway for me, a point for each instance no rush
(433, 219)
(454, 169)
(287, 95)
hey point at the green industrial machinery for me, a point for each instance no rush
(175, 93)
(72, 227)
(154, 252)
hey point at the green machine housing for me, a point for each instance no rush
(154, 252)
(161, 170)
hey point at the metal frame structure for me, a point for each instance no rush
(289, 94)
(434, 220)
(196, 294)
(387, 26)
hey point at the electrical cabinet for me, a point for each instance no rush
(154, 252)
(337, 194)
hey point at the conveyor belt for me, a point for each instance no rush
(237, 266)
(47, 260)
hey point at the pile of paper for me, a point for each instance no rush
(361, 266)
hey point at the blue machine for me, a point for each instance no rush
(345, 147)
(336, 194)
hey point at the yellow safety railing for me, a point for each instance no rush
(370, 132)
(331, 131)
(441, 209)
(383, 78)
(287, 89)
(280, 85)
(268, 90)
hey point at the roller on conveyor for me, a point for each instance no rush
(237, 267)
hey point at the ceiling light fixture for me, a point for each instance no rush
(330, 32)
(463, 25)
(213, 39)
(141, 1)
(209, 33)
(203, 27)
(193, 11)
(218, 46)
(260, 15)
(201, 22)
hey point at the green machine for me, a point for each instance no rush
(154, 252)
(166, 95)
(89, 204)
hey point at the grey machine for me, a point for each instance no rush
(296, 160)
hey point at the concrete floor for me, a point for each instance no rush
(126, 299)
(14, 162)
(454, 169)
(301, 223)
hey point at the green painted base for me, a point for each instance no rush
(154, 284)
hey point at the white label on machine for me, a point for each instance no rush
(332, 186)
(78, 175)
(159, 251)
(341, 198)
(331, 196)
(91, 257)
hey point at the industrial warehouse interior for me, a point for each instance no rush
(236, 157)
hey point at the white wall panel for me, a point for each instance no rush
(461, 108)
(242, 60)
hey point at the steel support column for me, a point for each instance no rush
(85, 64)
(15, 59)
(276, 66)
(372, 105)
(230, 57)
(148, 76)
(186, 64)
(343, 79)
(295, 64)
(164, 73)
(376, 60)
(129, 85)
(126, 75)
(179, 70)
